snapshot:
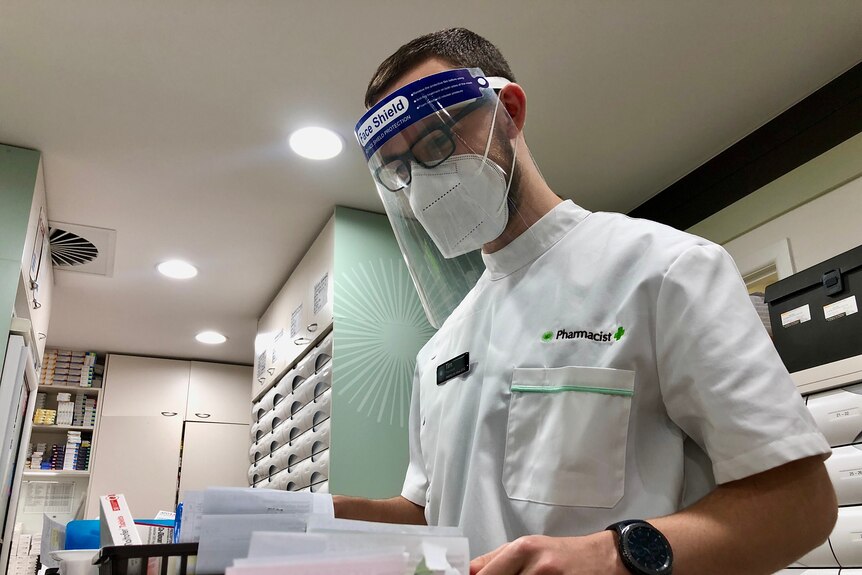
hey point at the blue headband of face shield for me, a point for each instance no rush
(418, 100)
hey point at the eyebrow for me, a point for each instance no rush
(448, 124)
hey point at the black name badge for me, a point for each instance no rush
(453, 368)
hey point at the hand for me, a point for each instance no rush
(539, 555)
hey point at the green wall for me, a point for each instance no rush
(18, 169)
(819, 176)
(379, 326)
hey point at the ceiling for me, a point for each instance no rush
(167, 121)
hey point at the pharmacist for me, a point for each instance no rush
(575, 406)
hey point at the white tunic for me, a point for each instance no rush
(598, 344)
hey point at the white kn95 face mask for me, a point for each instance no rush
(461, 203)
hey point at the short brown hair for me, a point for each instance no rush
(457, 46)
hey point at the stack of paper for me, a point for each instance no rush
(222, 520)
(357, 547)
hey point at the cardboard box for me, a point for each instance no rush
(117, 527)
(814, 313)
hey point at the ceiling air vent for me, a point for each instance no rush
(82, 248)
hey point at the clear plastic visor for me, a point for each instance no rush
(448, 172)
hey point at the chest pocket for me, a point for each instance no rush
(566, 435)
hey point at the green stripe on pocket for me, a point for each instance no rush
(561, 388)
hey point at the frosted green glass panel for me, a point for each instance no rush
(18, 169)
(379, 328)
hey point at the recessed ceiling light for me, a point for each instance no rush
(210, 337)
(316, 143)
(177, 269)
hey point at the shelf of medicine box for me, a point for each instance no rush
(261, 469)
(845, 471)
(838, 414)
(73, 389)
(306, 473)
(285, 444)
(40, 473)
(311, 392)
(829, 375)
(40, 427)
(309, 444)
(312, 363)
(317, 409)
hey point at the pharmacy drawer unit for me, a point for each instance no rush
(846, 537)
(845, 471)
(300, 432)
(838, 414)
(819, 557)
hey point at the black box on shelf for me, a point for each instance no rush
(815, 313)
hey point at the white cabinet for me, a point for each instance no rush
(300, 313)
(144, 386)
(218, 393)
(214, 455)
(146, 403)
(137, 456)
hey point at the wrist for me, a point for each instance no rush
(605, 544)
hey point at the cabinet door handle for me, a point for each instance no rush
(270, 370)
(302, 341)
(261, 379)
(202, 415)
(41, 335)
(312, 327)
(169, 413)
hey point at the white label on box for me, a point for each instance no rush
(296, 321)
(321, 293)
(261, 363)
(842, 308)
(850, 473)
(851, 411)
(276, 346)
(796, 316)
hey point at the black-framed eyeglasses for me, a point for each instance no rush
(433, 147)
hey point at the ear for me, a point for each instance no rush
(514, 99)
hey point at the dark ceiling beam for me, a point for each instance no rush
(811, 127)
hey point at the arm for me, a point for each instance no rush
(394, 510)
(752, 526)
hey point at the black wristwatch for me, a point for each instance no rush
(643, 549)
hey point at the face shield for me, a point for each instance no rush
(442, 153)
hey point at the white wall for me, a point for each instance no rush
(823, 228)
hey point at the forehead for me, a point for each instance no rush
(426, 68)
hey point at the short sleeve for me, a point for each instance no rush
(721, 378)
(416, 481)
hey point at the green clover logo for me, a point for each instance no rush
(620, 333)
(548, 336)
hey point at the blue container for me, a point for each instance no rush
(82, 534)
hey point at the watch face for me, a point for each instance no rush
(647, 549)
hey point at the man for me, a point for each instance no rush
(596, 364)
